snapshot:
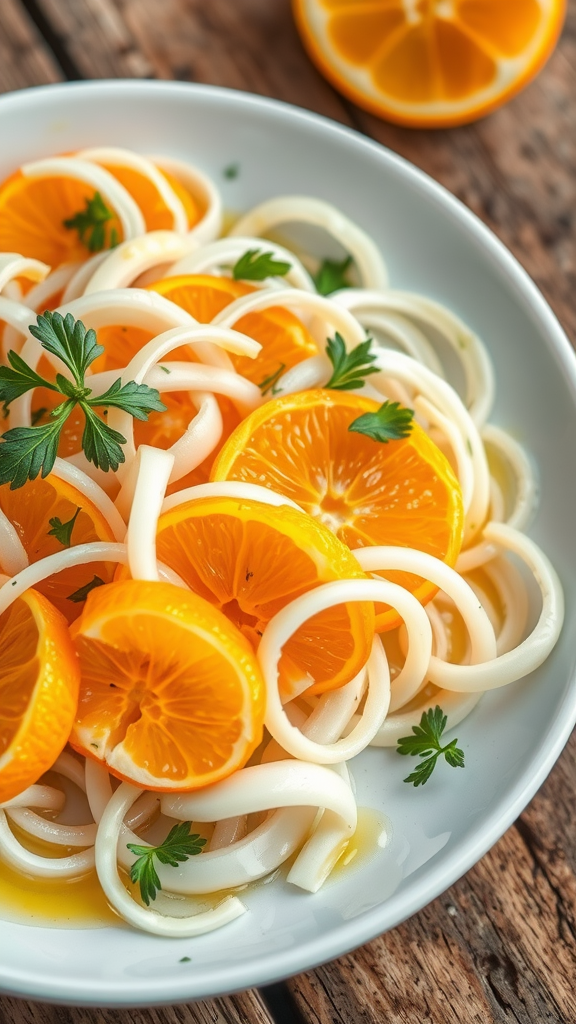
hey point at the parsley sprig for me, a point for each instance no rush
(426, 743)
(256, 265)
(90, 223)
(349, 368)
(178, 846)
(331, 276)
(391, 422)
(27, 451)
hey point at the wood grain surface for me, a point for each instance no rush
(500, 945)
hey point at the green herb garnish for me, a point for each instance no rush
(256, 265)
(27, 451)
(331, 276)
(178, 846)
(391, 422)
(269, 383)
(426, 743)
(231, 171)
(350, 368)
(82, 593)
(63, 531)
(90, 223)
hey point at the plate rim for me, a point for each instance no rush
(423, 890)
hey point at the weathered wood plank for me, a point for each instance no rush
(24, 57)
(245, 1008)
(96, 37)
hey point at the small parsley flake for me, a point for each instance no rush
(256, 265)
(269, 383)
(349, 368)
(331, 276)
(231, 171)
(391, 422)
(90, 223)
(178, 846)
(426, 743)
(82, 593)
(63, 531)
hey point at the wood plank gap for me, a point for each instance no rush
(69, 68)
(281, 1004)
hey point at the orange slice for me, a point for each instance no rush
(156, 214)
(39, 680)
(32, 215)
(401, 493)
(171, 696)
(430, 63)
(30, 508)
(285, 340)
(250, 560)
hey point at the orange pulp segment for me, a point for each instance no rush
(368, 493)
(284, 338)
(171, 695)
(250, 560)
(39, 680)
(30, 508)
(429, 63)
(154, 210)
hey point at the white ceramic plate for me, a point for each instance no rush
(432, 245)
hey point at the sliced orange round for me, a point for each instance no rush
(284, 338)
(31, 508)
(368, 493)
(250, 560)
(430, 63)
(32, 215)
(171, 695)
(39, 680)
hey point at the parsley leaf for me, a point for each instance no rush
(69, 340)
(25, 451)
(18, 378)
(101, 444)
(269, 383)
(331, 276)
(82, 593)
(256, 265)
(350, 368)
(63, 531)
(426, 743)
(178, 846)
(136, 399)
(90, 223)
(391, 422)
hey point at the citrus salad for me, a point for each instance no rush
(248, 528)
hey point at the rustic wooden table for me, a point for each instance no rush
(501, 944)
